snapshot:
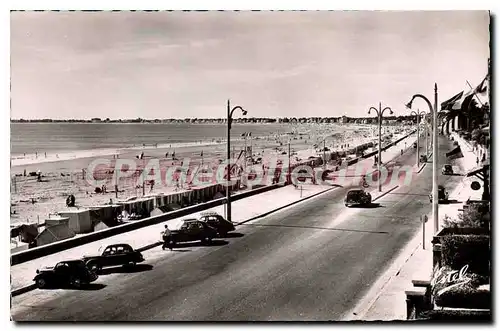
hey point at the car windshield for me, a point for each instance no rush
(447, 167)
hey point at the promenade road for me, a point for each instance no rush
(22, 274)
(311, 261)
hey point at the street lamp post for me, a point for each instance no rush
(418, 114)
(230, 112)
(380, 114)
(434, 113)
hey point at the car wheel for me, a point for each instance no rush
(94, 267)
(41, 283)
(76, 282)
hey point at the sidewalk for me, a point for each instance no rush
(413, 262)
(244, 209)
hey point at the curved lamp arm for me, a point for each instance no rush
(408, 105)
(230, 116)
(386, 108)
(375, 109)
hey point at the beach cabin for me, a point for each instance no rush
(79, 220)
(56, 229)
(142, 206)
(105, 213)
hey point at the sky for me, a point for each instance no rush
(274, 64)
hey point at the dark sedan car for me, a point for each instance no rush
(191, 230)
(114, 255)
(217, 222)
(442, 195)
(357, 197)
(72, 273)
(447, 169)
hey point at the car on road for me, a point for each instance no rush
(72, 273)
(114, 255)
(217, 222)
(447, 169)
(442, 194)
(357, 197)
(191, 230)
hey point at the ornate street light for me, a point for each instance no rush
(418, 114)
(380, 114)
(434, 113)
(230, 112)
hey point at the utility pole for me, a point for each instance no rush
(245, 153)
(289, 156)
(324, 154)
(435, 206)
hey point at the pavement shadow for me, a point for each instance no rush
(215, 242)
(369, 206)
(86, 287)
(233, 235)
(126, 269)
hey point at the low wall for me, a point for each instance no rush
(354, 161)
(59, 246)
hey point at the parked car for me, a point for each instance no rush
(217, 222)
(72, 273)
(442, 195)
(357, 197)
(447, 169)
(191, 230)
(114, 255)
(415, 145)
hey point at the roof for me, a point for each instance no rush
(190, 220)
(71, 261)
(118, 245)
(209, 213)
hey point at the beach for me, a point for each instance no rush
(32, 200)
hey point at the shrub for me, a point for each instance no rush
(465, 296)
(472, 217)
(461, 292)
(456, 315)
(472, 250)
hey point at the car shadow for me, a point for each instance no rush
(86, 287)
(233, 235)
(215, 242)
(369, 206)
(126, 269)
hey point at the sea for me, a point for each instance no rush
(82, 138)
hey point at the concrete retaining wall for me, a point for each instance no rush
(81, 240)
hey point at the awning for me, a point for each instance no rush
(448, 104)
(455, 153)
(478, 170)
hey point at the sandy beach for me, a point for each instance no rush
(33, 200)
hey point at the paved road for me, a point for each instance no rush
(312, 261)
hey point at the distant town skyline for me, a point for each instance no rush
(275, 64)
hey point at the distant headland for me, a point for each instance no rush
(241, 120)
